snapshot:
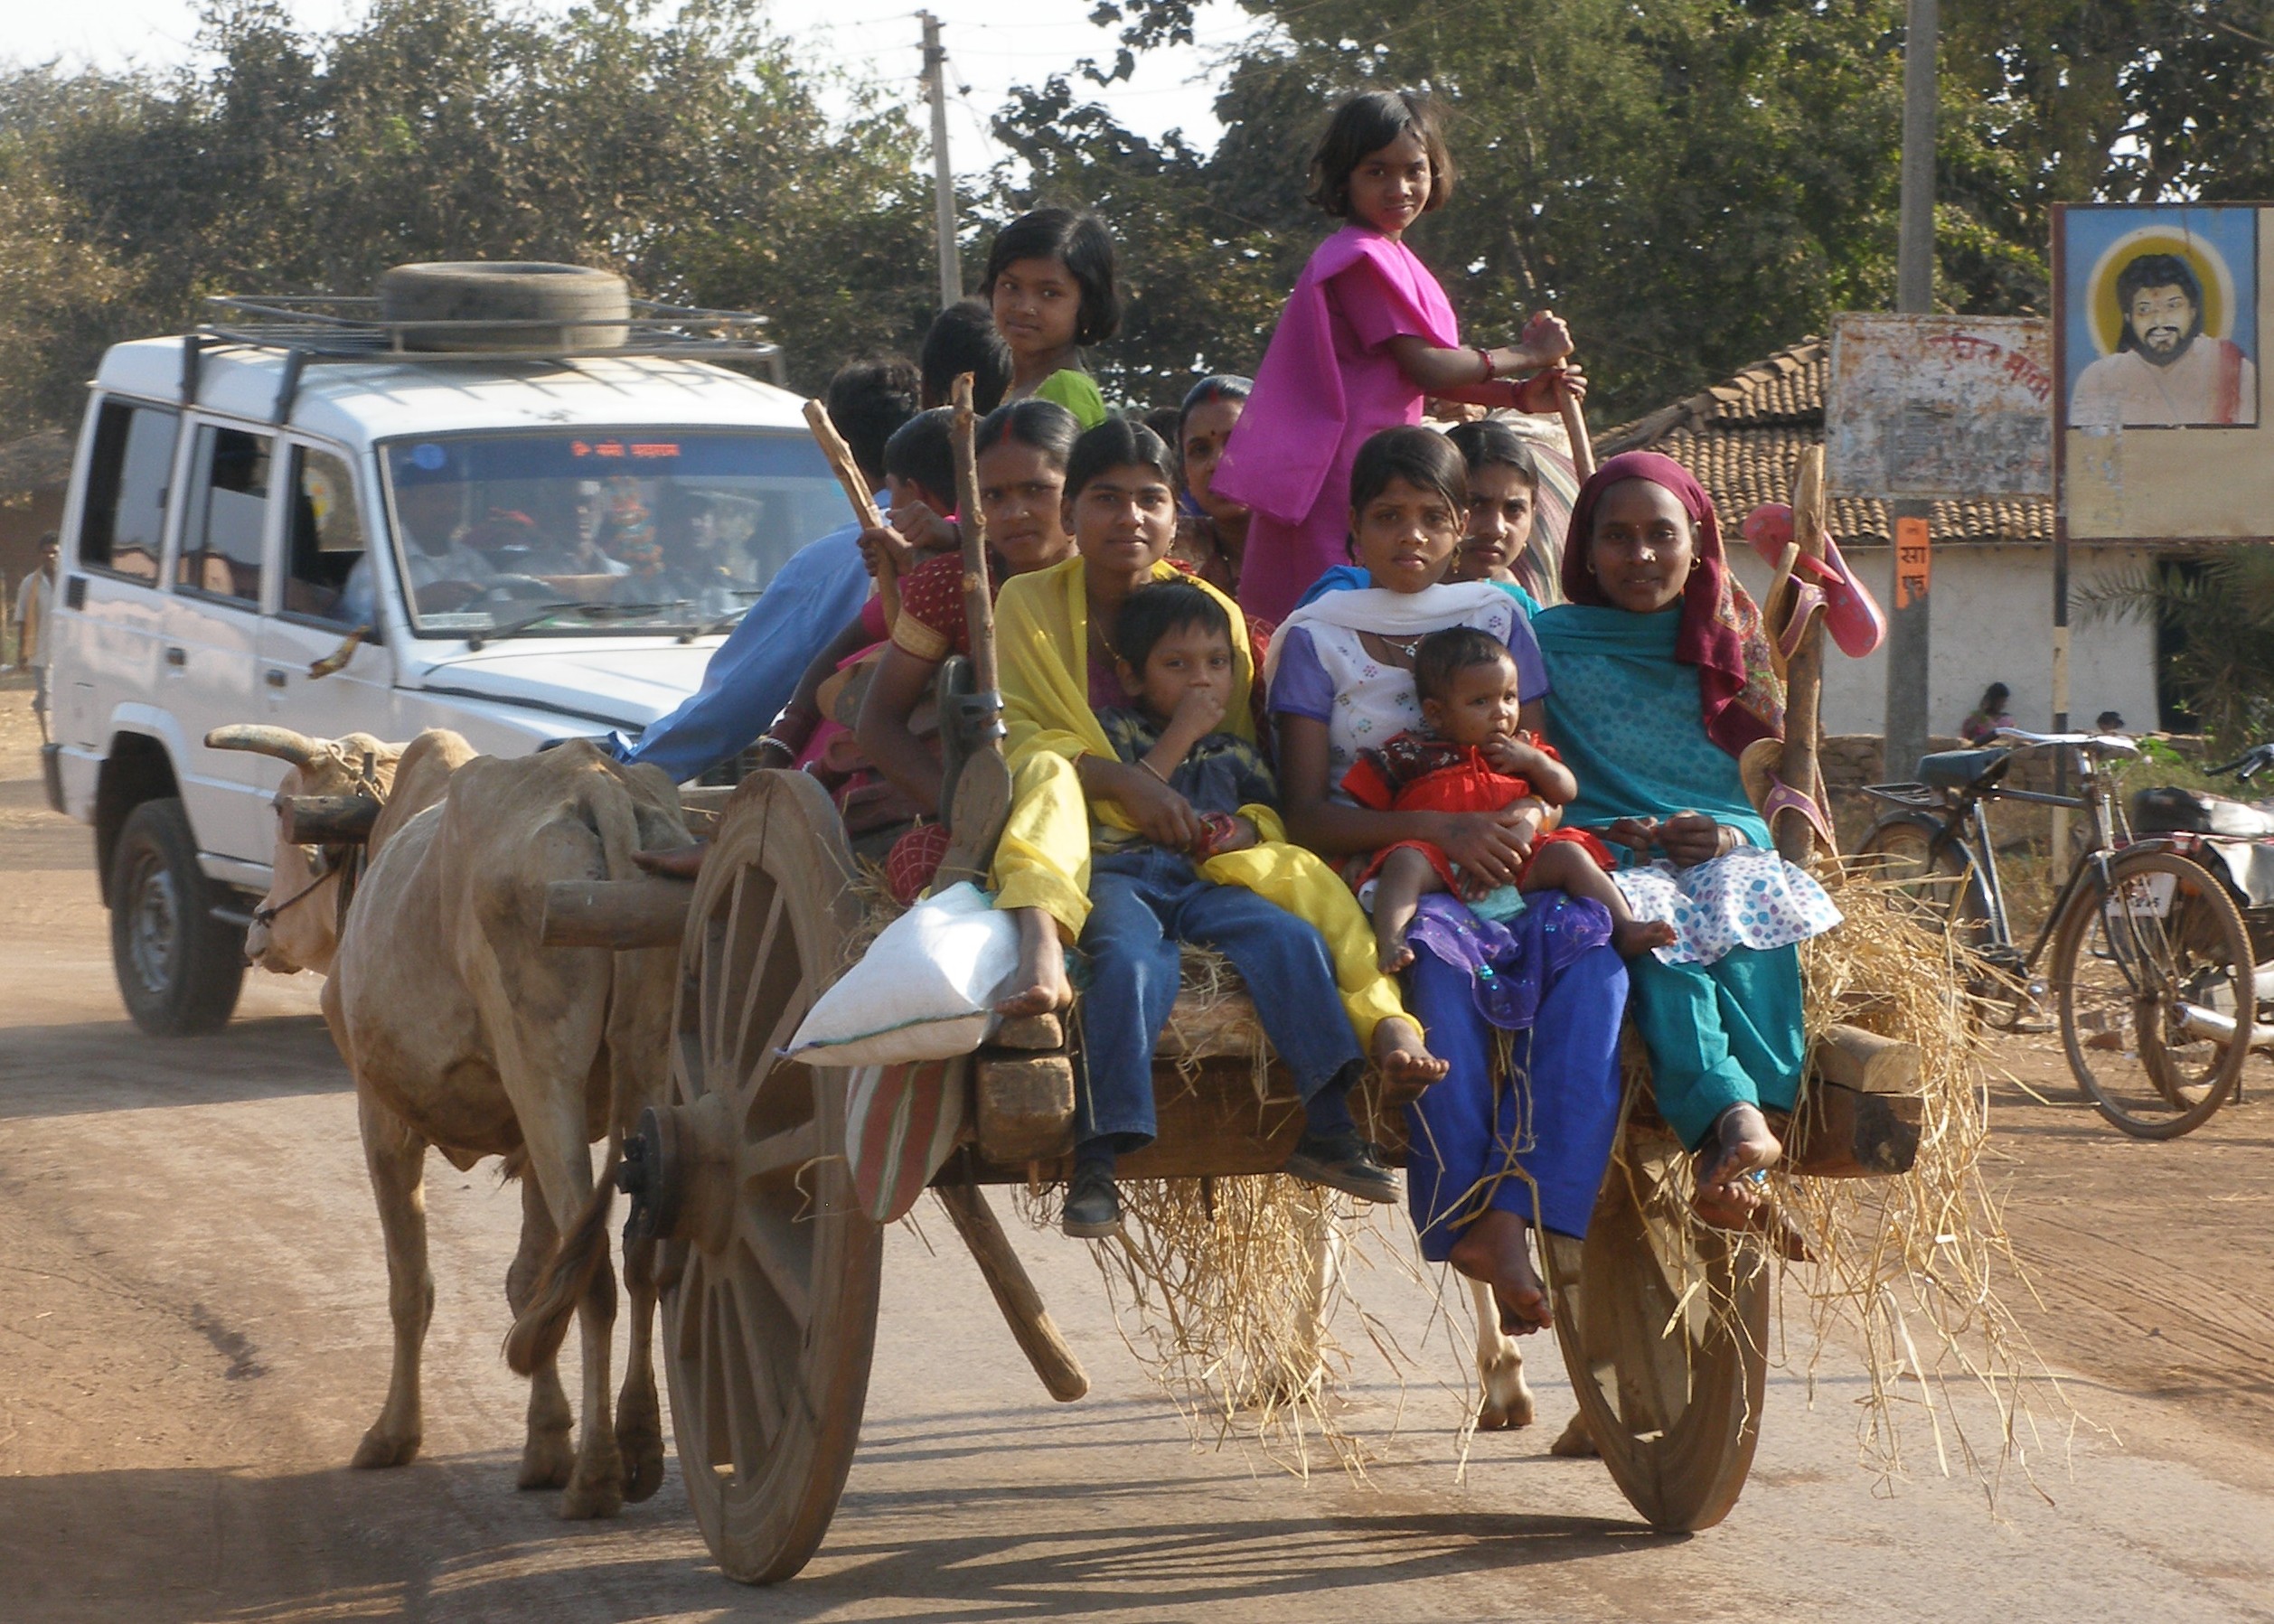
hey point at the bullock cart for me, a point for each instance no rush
(770, 1267)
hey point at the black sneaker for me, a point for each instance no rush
(1342, 1161)
(1093, 1207)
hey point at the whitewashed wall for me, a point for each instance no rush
(1991, 621)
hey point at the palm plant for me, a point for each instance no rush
(2219, 608)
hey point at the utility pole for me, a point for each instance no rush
(942, 178)
(1907, 650)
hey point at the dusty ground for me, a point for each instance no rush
(192, 1335)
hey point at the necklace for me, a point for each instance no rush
(1404, 646)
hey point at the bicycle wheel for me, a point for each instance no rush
(1941, 887)
(2155, 988)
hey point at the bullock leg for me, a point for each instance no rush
(559, 1160)
(1507, 1398)
(397, 1159)
(639, 1419)
(546, 1455)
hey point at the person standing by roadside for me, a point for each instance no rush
(34, 599)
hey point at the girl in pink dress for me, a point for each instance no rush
(1366, 335)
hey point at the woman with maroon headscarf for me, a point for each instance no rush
(1652, 699)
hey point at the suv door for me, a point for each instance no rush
(110, 615)
(213, 635)
(324, 539)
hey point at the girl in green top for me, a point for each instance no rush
(1051, 286)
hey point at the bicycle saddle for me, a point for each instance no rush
(1963, 769)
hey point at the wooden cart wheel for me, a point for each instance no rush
(1664, 1326)
(770, 1281)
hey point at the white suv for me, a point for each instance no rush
(268, 527)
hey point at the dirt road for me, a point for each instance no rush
(192, 1335)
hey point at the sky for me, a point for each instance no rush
(878, 38)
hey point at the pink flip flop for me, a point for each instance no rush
(1851, 613)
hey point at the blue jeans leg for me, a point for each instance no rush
(1553, 1121)
(1132, 984)
(1289, 973)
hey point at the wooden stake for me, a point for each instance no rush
(1583, 449)
(979, 603)
(864, 505)
(1804, 673)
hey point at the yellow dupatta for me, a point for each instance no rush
(1042, 644)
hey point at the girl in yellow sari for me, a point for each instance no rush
(1058, 672)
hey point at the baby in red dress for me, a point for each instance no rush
(1477, 757)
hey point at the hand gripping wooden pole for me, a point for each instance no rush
(864, 505)
(981, 802)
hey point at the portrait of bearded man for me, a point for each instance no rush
(2165, 372)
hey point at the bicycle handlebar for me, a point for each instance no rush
(2247, 766)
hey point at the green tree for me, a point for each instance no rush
(1693, 183)
(691, 155)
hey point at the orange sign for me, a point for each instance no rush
(1914, 561)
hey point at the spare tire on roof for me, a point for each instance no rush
(566, 297)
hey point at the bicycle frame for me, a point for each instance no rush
(1966, 826)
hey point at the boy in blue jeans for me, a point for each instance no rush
(1172, 646)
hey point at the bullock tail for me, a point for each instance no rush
(540, 1328)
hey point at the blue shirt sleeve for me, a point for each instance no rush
(1301, 686)
(753, 673)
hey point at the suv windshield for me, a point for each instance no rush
(636, 530)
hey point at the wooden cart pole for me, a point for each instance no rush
(982, 802)
(1804, 673)
(1031, 1323)
(864, 505)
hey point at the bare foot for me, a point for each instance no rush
(1406, 1064)
(1495, 1249)
(1389, 937)
(1636, 937)
(677, 862)
(1728, 1192)
(1039, 987)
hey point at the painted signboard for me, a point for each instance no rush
(1939, 406)
(2160, 309)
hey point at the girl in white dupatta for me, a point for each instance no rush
(1494, 1149)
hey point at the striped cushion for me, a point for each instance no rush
(902, 1122)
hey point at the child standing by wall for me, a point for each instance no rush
(1367, 334)
(1051, 285)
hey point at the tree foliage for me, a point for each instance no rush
(1693, 183)
(691, 155)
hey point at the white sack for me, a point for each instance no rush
(925, 990)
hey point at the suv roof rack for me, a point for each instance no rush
(337, 327)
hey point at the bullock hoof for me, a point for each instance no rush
(1576, 1442)
(600, 1497)
(639, 1438)
(1507, 1399)
(380, 1450)
(547, 1460)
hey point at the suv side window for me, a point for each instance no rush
(324, 539)
(228, 510)
(125, 522)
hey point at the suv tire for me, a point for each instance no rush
(473, 291)
(179, 968)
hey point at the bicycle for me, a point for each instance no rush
(2148, 962)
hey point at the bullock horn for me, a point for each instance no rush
(282, 743)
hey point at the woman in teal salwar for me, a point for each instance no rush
(1652, 700)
